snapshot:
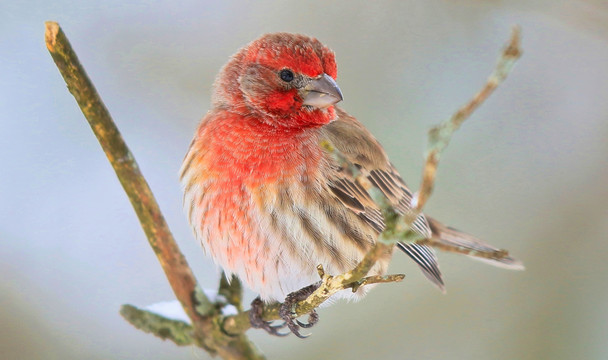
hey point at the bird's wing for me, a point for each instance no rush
(356, 157)
(354, 196)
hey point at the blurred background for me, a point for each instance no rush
(528, 172)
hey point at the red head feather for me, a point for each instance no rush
(250, 82)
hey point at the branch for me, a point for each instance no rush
(219, 334)
(330, 285)
(198, 307)
(172, 261)
(397, 228)
(232, 290)
(440, 135)
(177, 331)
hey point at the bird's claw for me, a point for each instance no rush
(287, 314)
(313, 318)
(255, 317)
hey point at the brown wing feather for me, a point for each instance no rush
(352, 149)
(356, 198)
(357, 146)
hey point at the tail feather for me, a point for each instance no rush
(448, 239)
(425, 258)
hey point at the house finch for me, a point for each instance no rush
(269, 186)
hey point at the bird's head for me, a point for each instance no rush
(287, 79)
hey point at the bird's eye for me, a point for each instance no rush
(286, 75)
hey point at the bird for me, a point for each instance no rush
(277, 180)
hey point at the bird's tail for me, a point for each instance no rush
(451, 240)
(425, 258)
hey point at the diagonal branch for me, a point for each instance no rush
(180, 276)
(397, 228)
(152, 221)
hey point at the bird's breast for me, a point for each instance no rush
(255, 155)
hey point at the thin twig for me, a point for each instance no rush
(440, 135)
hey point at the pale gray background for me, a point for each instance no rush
(528, 172)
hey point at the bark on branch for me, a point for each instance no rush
(199, 308)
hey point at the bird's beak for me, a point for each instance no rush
(322, 92)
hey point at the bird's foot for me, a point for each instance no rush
(287, 310)
(255, 317)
